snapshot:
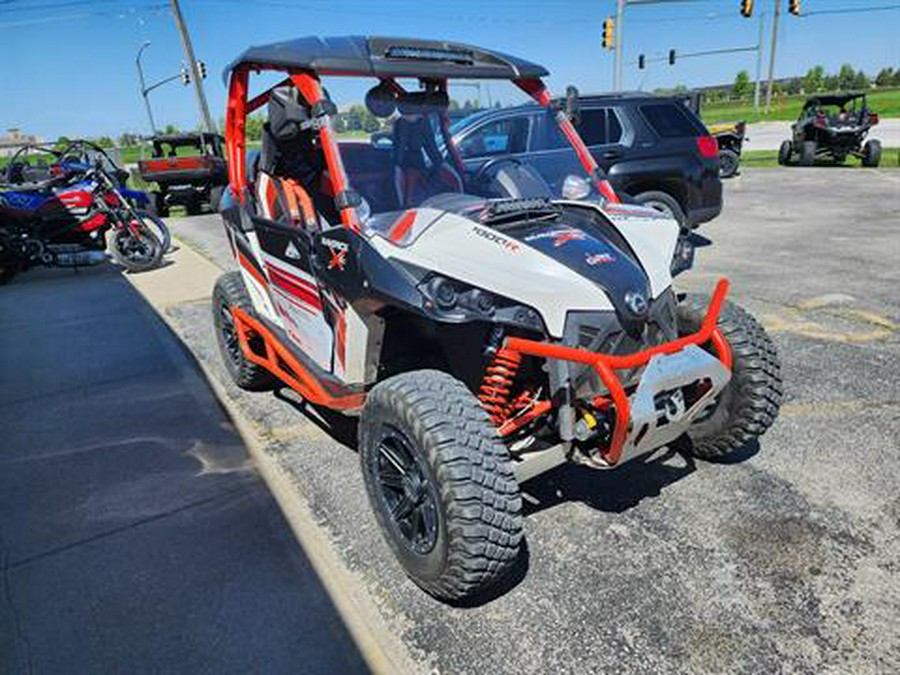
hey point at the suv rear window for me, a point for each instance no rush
(669, 120)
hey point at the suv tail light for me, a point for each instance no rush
(708, 147)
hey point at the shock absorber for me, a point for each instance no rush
(496, 386)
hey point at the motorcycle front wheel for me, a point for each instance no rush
(136, 252)
(158, 227)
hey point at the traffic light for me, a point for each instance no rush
(746, 8)
(671, 57)
(794, 7)
(641, 61)
(185, 76)
(201, 66)
(609, 27)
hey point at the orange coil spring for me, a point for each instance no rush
(496, 385)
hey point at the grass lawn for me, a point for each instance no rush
(769, 158)
(885, 102)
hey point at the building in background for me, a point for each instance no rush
(14, 139)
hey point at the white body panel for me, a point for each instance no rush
(480, 256)
(483, 257)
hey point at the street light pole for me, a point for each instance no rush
(195, 70)
(140, 70)
(759, 55)
(617, 76)
(772, 53)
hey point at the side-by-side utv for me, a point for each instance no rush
(833, 126)
(482, 328)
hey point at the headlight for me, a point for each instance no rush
(453, 301)
(683, 258)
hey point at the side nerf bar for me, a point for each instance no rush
(606, 364)
(281, 363)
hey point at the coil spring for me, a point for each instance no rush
(496, 385)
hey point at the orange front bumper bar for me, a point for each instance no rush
(606, 364)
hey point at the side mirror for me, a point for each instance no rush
(573, 106)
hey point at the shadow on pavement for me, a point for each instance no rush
(135, 535)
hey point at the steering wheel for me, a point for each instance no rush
(485, 168)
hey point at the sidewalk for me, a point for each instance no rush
(135, 535)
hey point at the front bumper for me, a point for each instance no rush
(670, 365)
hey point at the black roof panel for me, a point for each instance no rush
(833, 99)
(389, 57)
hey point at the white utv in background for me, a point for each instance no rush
(483, 329)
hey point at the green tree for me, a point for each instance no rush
(794, 85)
(846, 77)
(62, 143)
(896, 80)
(861, 81)
(831, 83)
(105, 142)
(741, 87)
(814, 80)
(170, 129)
(885, 77)
(254, 128)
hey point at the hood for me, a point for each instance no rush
(555, 265)
(595, 258)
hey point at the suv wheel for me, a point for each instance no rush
(663, 202)
(441, 483)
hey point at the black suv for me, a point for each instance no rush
(653, 149)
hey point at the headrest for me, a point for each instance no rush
(287, 113)
(381, 100)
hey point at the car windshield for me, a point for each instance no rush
(403, 147)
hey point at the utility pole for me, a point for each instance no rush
(775, 18)
(759, 54)
(617, 76)
(195, 69)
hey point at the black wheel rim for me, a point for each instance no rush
(229, 333)
(138, 249)
(405, 492)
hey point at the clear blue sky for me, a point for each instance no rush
(68, 65)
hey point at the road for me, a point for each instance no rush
(769, 135)
(135, 534)
(784, 560)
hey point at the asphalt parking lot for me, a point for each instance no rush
(782, 561)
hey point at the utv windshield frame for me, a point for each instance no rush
(386, 59)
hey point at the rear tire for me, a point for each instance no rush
(872, 153)
(785, 152)
(729, 161)
(749, 404)
(159, 201)
(229, 292)
(807, 153)
(663, 202)
(441, 484)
